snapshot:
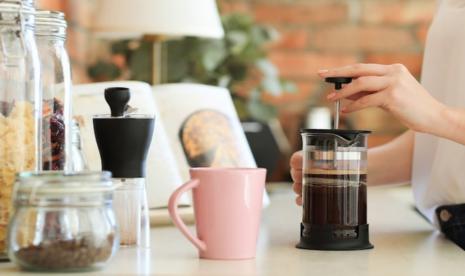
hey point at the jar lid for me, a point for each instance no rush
(50, 23)
(15, 8)
(57, 183)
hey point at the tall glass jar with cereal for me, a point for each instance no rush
(20, 102)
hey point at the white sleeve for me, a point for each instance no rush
(438, 176)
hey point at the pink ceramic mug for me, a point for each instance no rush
(227, 207)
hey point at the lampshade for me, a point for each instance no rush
(171, 18)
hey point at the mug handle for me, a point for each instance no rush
(173, 210)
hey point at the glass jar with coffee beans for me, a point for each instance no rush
(63, 222)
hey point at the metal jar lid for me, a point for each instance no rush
(60, 183)
(50, 23)
(59, 189)
(13, 12)
(16, 5)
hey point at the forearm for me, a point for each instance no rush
(450, 124)
(391, 163)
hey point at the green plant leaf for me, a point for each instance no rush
(140, 63)
(259, 35)
(272, 34)
(224, 81)
(241, 108)
(272, 85)
(120, 47)
(238, 71)
(176, 65)
(236, 21)
(288, 86)
(214, 53)
(267, 68)
(237, 41)
(103, 71)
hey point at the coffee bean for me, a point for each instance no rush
(82, 252)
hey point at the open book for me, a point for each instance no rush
(195, 126)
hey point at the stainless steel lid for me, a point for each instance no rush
(50, 23)
(63, 189)
(347, 134)
(56, 182)
(16, 5)
(14, 12)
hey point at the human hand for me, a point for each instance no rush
(390, 87)
(296, 174)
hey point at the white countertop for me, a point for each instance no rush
(405, 244)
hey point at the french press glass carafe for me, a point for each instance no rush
(334, 190)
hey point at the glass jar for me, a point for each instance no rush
(20, 107)
(50, 32)
(63, 222)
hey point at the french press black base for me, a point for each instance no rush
(328, 237)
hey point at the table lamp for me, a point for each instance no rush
(157, 20)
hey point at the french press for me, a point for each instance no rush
(334, 187)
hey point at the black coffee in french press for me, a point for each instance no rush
(334, 188)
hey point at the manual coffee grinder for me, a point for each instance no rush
(123, 139)
(334, 187)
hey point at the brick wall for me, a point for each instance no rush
(314, 34)
(326, 33)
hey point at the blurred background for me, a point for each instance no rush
(268, 57)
